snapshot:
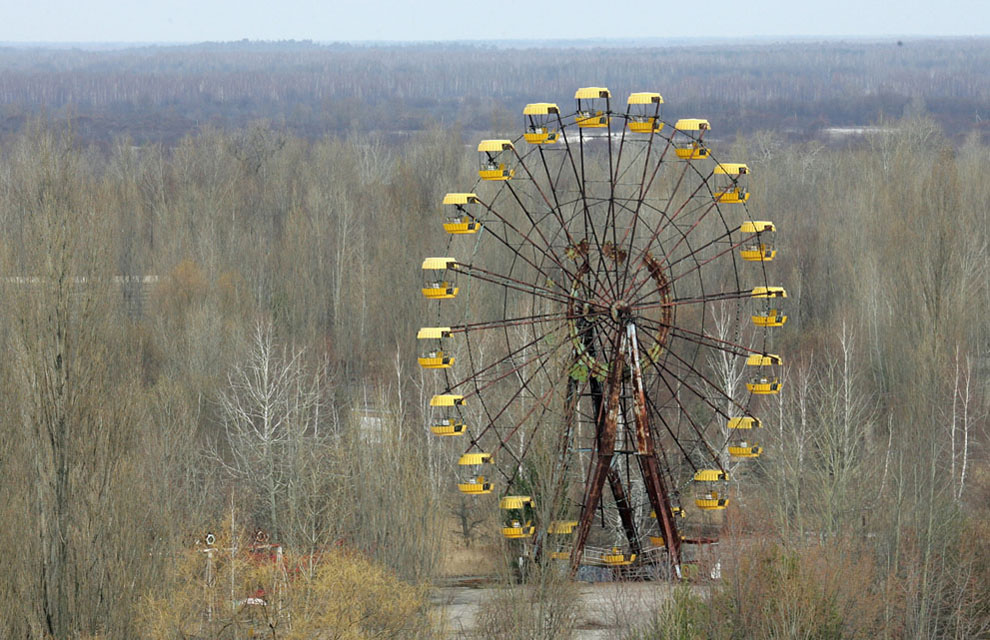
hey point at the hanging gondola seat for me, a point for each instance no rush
(642, 112)
(761, 248)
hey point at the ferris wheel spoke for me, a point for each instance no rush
(701, 396)
(670, 219)
(702, 299)
(664, 373)
(647, 185)
(637, 159)
(655, 235)
(717, 239)
(477, 375)
(683, 239)
(507, 322)
(523, 386)
(645, 188)
(711, 342)
(554, 206)
(699, 338)
(710, 203)
(579, 177)
(675, 436)
(544, 406)
(613, 171)
(728, 250)
(516, 284)
(546, 250)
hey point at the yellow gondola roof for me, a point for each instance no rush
(439, 263)
(562, 526)
(769, 292)
(460, 198)
(540, 109)
(756, 226)
(710, 475)
(692, 124)
(644, 97)
(495, 145)
(475, 458)
(746, 422)
(731, 169)
(446, 400)
(427, 333)
(764, 360)
(514, 502)
(585, 93)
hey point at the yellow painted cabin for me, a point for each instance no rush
(761, 247)
(592, 107)
(768, 306)
(765, 380)
(693, 148)
(541, 120)
(462, 220)
(643, 112)
(495, 156)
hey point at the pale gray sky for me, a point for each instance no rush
(359, 20)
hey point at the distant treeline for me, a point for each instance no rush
(158, 94)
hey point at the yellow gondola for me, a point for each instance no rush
(768, 303)
(658, 541)
(541, 120)
(474, 482)
(562, 527)
(515, 529)
(710, 475)
(766, 377)
(448, 427)
(746, 422)
(729, 187)
(496, 157)
(461, 220)
(745, 450)
(514, 502)
(710, 499)
(761, 248)
(692, 148)
(592, 107)
(435, 358)
(643, 112)
(560, 555)
(617, 558)
(446, 400)
(677, 512)
(438, 278)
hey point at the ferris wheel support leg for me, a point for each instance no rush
(592, 496)
(647, 458)
(607, 421)
(624, 509)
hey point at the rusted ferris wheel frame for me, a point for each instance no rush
(595, 290)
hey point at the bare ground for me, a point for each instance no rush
(605, 609)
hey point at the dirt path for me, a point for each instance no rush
(605, 609)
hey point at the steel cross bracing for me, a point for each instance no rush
(607, 407)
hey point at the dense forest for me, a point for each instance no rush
(158, 94)
(210, 265)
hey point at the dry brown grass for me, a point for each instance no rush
(459, 559)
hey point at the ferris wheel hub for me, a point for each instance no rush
(620, 310)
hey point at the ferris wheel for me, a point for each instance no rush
(601, 323)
